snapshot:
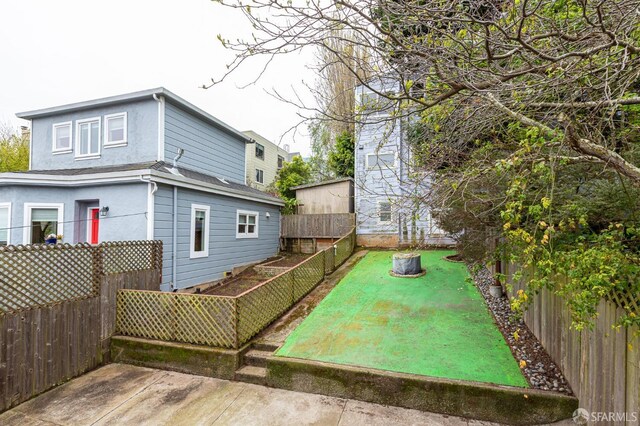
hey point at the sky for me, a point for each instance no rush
(58, 52)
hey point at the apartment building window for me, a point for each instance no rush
(199, 241)
(280, 161)
(115, 130)
(259, 176)
(88, 138)
(381, 160)
(384, 212)
(247, 226)
(62, 138)
(259, 151)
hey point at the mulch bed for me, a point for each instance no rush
(250, 278)
(540, 370)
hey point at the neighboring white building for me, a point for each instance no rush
(389, 196)
(263, 159)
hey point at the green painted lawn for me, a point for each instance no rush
(437, 325)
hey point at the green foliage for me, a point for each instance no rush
(293, 173)
(320, 147)
(14, 154)
(342, 157)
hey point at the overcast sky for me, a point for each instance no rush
(57, 52)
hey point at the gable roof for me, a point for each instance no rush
(134, 96)
(157, 171)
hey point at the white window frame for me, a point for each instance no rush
(54, 128)
(8, 224)
(115, 144)
(205, 232)
(264, 151)
(258, 181)
(379, 211)
(378, 154)
(246, 234)
(28, 207)
(378, 99)
(79, 139)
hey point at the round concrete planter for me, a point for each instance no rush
(495, 291)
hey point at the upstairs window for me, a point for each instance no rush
(259, 151)
(199, 244)
(62, 138)
(5, 223)
(115, 130)
(247, 226)
(384, 212)
(259, 176)
(375, 104)
(280, 161)
(88, 138)
(381, 160)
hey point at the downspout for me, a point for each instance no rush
(150, 206)
(174, 245)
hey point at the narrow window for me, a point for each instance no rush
(259, 176)
(375, 104)
(5, 223)
(384, 212)
(199, 231)
(259, 151)
(42, 220)
(88, 138)
(247, 224)
(381, 160)
(280, 161)
(115, 130)
(62, 137)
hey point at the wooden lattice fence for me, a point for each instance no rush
(223, 321)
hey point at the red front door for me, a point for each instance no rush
(94, 225)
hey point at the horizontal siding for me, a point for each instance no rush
(225, 251)
(207, 148)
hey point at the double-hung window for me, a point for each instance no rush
(384, 212)
(5, 224)
(199, 241)
(259, 176)
(381, 160)
(115, 130)
(280, 161)
(42, 220)
(62, 138)
(247, 226)
(88, 138)
(259, 151)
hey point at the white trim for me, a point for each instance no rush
(247, 234)
(115, 144)
(30, 143)
(89, 222)
(8, 224)
(127, 176)
(92, 155)
(26, 234)
(161, 119)
(54, 128)
(378, 154)
(258, 181)
(378, 211)
(205, 232)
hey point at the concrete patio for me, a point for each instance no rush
(123, 394)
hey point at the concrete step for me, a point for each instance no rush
(265, 346)
(252, 374)
(257, 358)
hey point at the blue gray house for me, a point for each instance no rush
(391, 194)
(144, 165)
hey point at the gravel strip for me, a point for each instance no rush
(540, 370)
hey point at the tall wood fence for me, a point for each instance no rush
(602, 365)
(225, 321)
(316, 225)
(57, 309)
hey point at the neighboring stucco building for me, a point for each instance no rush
(263, 159)
(389, 196)
(144, 165)
(332, 196)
